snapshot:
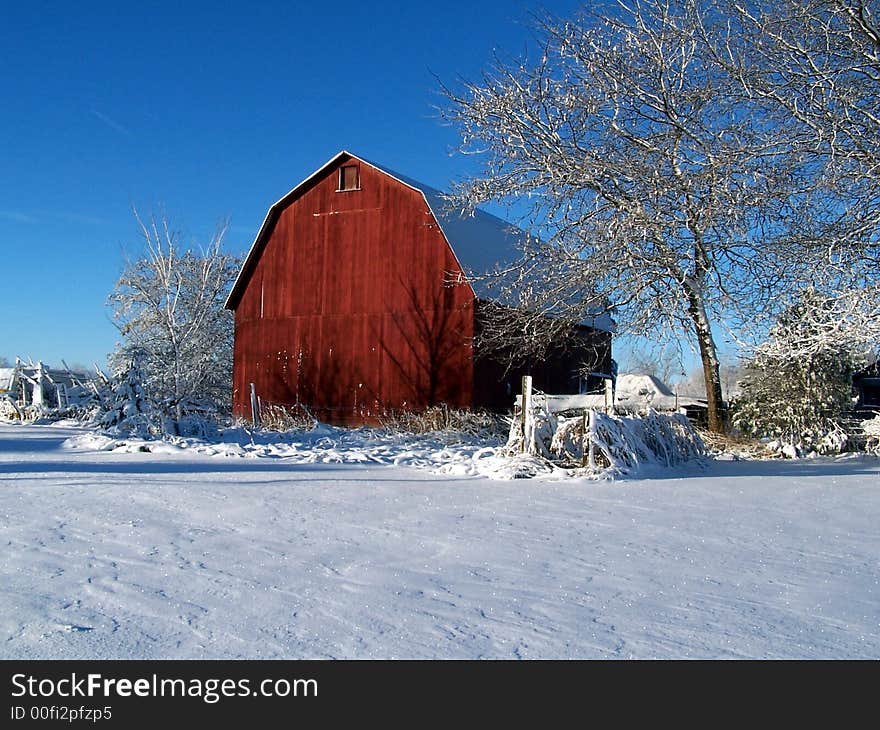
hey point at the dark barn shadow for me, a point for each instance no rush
(26, 444)
(758, 469)
(431, 334)
(293, 472)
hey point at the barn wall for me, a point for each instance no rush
(346, 309)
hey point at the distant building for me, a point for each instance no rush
(354, 300)
(638, 393)
(866, 385)
(27, 385)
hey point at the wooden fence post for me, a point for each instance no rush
(591, 438)
(527, 415)
(585, 439)
(255, 406)
(609, 396)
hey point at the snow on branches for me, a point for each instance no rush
(798, 385)
(609, 445)
(168, 306)
(128, 410)
(843, 320)
(682, 163)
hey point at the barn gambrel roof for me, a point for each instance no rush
(479, 240)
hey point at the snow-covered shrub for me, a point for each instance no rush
(196, 422)
(871, 427)
(834, 441)
(128, 411)
(539, 437)
(168, 305)
(620, 444)
(794, 397)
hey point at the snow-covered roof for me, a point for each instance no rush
(639, 391)
(56, 376)
(642, 385)
(479, 240)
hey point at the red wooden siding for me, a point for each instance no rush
(345, 309)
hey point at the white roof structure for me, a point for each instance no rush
(637, 392)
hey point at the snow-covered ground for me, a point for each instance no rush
(197, 554)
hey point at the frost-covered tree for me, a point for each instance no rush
(168, 306)
(794, 394)
(689, 162)
(649, 178)
(841, 319)
(127, 408)
(813, 68)
(816, 65)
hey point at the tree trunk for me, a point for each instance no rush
(708, 357)
(714, 399)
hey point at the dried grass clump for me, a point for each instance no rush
(732, 443)
(442, 418)
(274, 417)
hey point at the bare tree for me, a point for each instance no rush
(662, 363)
(730, 371)
(731, 375)
(168, 306)
(650, 180)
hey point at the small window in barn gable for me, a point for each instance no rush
(349, 178)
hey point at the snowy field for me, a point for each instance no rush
(187, 554)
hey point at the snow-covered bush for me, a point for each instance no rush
(168, 306)
(199, 418)
(128, 411)
(871, 427)
(620, 444)
(833, 441)
(540, 431)
(794, 397)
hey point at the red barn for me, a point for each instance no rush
(354, 301)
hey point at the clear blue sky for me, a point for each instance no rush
(211, 110)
